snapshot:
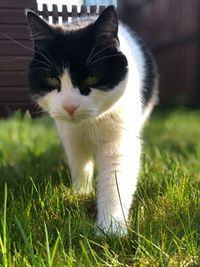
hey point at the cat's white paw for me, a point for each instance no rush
(84, 190)
(114, 228)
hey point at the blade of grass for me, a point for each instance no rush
(47, 246)
(28, 246)
(85, 253)
(55, 250)
(4, 243)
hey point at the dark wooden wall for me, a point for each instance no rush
(14, 57)
(171, 28)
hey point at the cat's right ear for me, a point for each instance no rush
(40, 29)
(107, 23)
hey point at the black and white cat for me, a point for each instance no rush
(98, 81)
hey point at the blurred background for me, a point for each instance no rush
(169, 27)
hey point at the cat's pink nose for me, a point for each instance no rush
(70, 108)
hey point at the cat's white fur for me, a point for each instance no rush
(105, 126)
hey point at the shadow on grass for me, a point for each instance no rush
(41, 168)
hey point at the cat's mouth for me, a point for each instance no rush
(65, 117)
(69, 118)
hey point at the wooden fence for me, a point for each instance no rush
(65, 14)
(170, 28)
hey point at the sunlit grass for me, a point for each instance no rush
(44, 223)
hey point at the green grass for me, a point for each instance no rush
(43, 223)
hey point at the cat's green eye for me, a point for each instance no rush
(54, 82)
(91, 81)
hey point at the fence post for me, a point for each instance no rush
(64, 13)
(93, 10)
(45, 12)
(74, 12)
(55, 14)
(84, 11)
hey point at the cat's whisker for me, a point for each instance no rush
(44, 63)
(27, 58)
(35, 96)
(39, 94)
(103, 58)
(37, 109)
(14, 59)
(50, 58)
(53, 66)
(23, 58)
(28, 48)
(37, 112)
(93, 49)
(100, 51)
(38, 68)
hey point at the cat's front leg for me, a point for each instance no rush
(79, 157)
(118, 164)
(81, 168)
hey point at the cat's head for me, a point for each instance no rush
(78, 71)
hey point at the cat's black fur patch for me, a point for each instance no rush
(72, 50)
(151, 71)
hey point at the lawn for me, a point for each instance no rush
(44, 223)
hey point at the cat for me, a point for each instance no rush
(99, 83)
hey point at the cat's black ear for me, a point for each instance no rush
(107, 23)
(40, 29)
